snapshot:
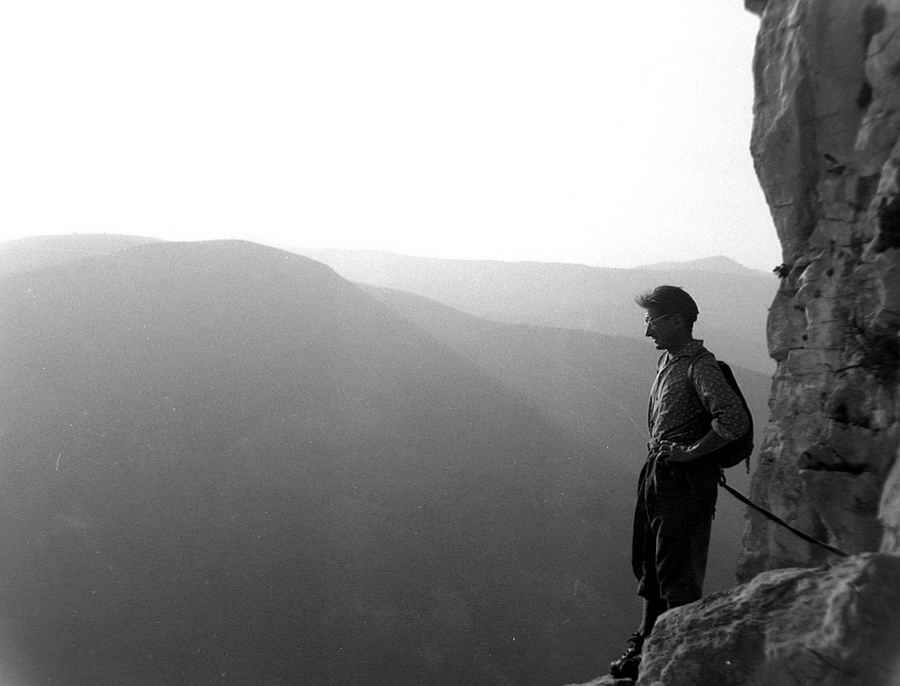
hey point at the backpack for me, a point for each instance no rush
(740, 449)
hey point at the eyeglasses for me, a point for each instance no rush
(651, 321)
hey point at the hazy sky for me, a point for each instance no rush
(608, 133)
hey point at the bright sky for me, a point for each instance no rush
(606, 133)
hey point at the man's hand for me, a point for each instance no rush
(674, 452)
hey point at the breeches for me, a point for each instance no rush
(672, 522)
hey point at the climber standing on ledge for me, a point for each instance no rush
(693, 412)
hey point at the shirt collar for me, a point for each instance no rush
(686, 350)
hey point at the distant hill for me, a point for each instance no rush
(219, 458)
(733, 307)
(718, 264)
(36, 252)
(593, 385)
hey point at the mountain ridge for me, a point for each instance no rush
(733, 308)
(721, 264)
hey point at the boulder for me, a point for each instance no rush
(829, 626)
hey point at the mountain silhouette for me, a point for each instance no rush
(716, 264)
(223, 462)
(733, 306)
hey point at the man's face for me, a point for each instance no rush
(664, 329)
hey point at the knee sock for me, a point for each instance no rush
(653, 608)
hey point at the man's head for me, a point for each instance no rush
(670, 317)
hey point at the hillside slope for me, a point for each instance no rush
(225, 459)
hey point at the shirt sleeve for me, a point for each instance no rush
(729, 418)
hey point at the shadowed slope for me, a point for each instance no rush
(593, 385)
(224, 462)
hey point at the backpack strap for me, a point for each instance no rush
(735, 388)
(690, 370)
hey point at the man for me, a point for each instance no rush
(693, 412)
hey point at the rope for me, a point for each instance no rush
(775, 518)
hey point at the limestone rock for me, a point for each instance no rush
(826, 147)
(829, 626)
(890, 510)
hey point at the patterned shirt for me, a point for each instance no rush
(683, 410)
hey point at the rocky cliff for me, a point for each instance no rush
(826, 147)
(826, 150)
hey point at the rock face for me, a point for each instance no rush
(838, 626)
(826, 146)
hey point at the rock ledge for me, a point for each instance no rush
(831, 626)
